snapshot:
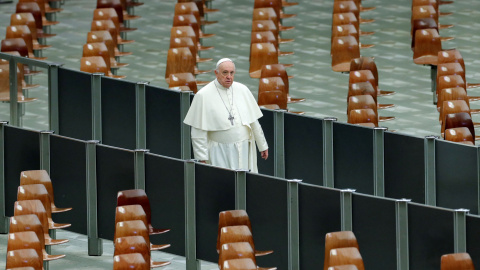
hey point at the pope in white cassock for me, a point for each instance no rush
(224, 119)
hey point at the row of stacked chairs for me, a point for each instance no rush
(185, 44)
(26, 36)
(133, 228)
(273, 90)
(450, 91)
(32, 220)
(235, 244)
(109, 26)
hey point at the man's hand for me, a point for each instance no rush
(265, 154)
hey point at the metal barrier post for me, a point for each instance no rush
(378, 161)
(141, 115)
(433, 76)
(53, 106)
(279, 143)
(140, 168)
(186, 150)
(95, 247)
(4, 220)
(328, 166)
(430, 177)
(190, 219)
(346, 209)
(14, 105)
(45, 150)
(293, 225)
(401, 213)
(241, 189)
(460, 230)
(97, 106)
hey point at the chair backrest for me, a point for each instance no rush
(456, 261)
(450, 81)
(179, 60)
(361, 102)
(459, 134)
(132, 244)
(135, 196)
(455, 93)
(187, 8)
(427, 11)
(266, 13)
(261, 54)
(233, 234)
(183, 31)
(34, 9)
(451, 56)
(21, 31)
(188, 42)
(444, 69)
(275, 4)
(276, 70)
(345, 18)
(98, 49)
(25, 19)
(343, 267)
(335, 240)
(187, 20)
(24, 240)
(343, 50)
(347, 255)
(24, 258)
(130, 261)
(453, 106)
(344, 30)
(362, 88)
(35, 192)
(237, 250)
(94, 64)
(107, 14)
(362, 76)
(239, 264)
(107, 25)
(232, 218)
(25, 223)
(361, 116)
(365, 63)
(130, 212)
(427, 46)
(264, 37)
(183, 79)
(463, 119)
(422, 23)
(115, 4)
(15, 44)
(271, 90)
(346, 6)
(265, 25)
(132, 228)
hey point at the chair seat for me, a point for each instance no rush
(426, 60)
(473, 85)
(126, 41)
(343, 67)
(262, 252)
(119, 53)
(153, 231)
(284, 53)
(202, 35)
(385, 106)
(130, 17)
(208, 22)
(445, 2)
(364, 33)
(285, 40)
(385, 93)
(295, 100)
(41, 47)
(127, 29)
(202, 82)
(45, 35)
(204, 48)
(445, 13)
(53, 226)
(53, 242)
(197, 71)
(286, 16)
(289, 4)
(119, 65)
(60, 210)
(286, 28)
(446, 38)
(48, 257)
(445, 26)
(366, 46)
(158, 264)
(29, 86)
(159, 247)
(203, 60)
(363, 9)
(366, 20)
(385, 118)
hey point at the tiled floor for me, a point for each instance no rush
(314, 80)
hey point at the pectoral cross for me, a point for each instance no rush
(230, 117)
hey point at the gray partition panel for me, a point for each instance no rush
(114, 173)
(375, 229)
(214, 192)
(430, 236)
(68, 174)
(164, 185)
(118, 113)
(404, 170)
(163, 121)
(267, 209)
(75, 104)
(457, 176)
(319, 210)
(22, 153)
(304, 148)
(473, 239)
(267, 166)
(353, 157)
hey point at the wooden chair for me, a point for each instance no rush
(267, 37)
(262, 54)
(427, 46)
(43, 4)
(271, 90)
(134, 213)
(96, 64)
(452, 81)
(365, 102)
(463, 119)
(343, 50)
(454, 93)
(451, 107)
(109, 25)
(276, 5)
(239, 233)
(191, 8)
(190, 20)
(119, 8)
(236, 218)
(111, 14)
(456, 261)
(28, 20)
(22, 31)
(42, 177)
(187, 31)
(138, 196)
(343, 267)
(363, 116)
(136, 244)
(460, 135)
(427, 11)
(39, 192)
(453, 68)
(268, 13)
(238, 250)
(433, 3)
(425, 23)
(359, 4)
(368, 63)
(348, 30)
(5, 84)
(348, 18)
(279, 70)
(454, 56)
(185, 81)
(347, 255)
(108, 55)
(26, 240)
(239, 264)
(105, 36)
(189, 42)
(33, 9)
(33, 5)
(349, 6)
(335, 240)
(24, 258)
(130, 261)
(269, 25)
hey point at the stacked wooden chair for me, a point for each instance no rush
(345, 39)
(235, 241)
(132, 232)
(456, 261)
(342, 252)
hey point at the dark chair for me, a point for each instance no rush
(463, 119)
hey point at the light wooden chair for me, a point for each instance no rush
(239, 264)
(347, 255)
(24, 258)
(130, 261)
(136, 244)
(456, 261)
(27, 240)
(238, 250)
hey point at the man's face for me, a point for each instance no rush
(225, 74)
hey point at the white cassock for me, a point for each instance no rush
(214, 138)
